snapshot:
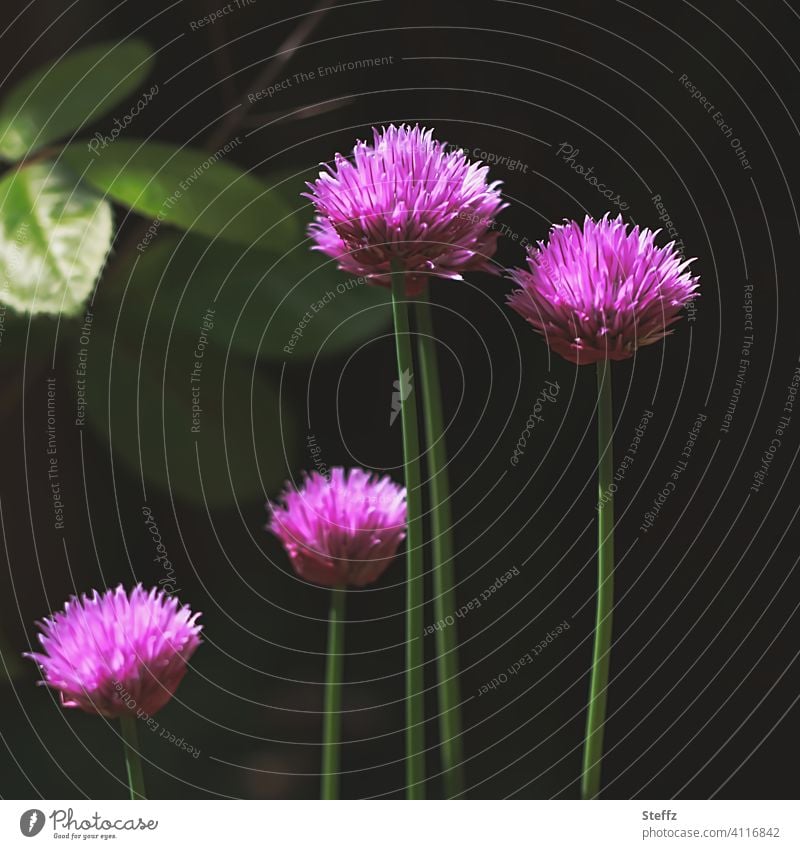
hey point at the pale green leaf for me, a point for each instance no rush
(55, 234)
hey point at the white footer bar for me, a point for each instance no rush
(399, 825)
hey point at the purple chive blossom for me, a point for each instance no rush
(406, 198)
(600, 292)
(342, 531)
(115, 654)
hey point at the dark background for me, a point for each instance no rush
(704, 688)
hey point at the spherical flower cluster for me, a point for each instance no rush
(406, 200)
(601, 292)
(113, 654)
(344, 530)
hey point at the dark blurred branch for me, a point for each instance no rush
(218, 36)
(298, 114)
(227, 128)
(37, 156)
(271, 72)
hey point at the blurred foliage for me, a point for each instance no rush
(55, 234)
(188, 188)
(260, 298)
(182, 416)
(174, 296)
(184, 319)
(70, 94)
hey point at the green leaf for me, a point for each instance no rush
(190, 189)
(70, 94)
(176, 414)
(55, 234)
(261, 299)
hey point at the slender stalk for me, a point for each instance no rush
(595, 722)
(415, 718)
(444, 600)
(132, 760)
(332, 722)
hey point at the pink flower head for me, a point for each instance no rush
(406, 199)
(345, 530)
(114, 654)
(601, 292)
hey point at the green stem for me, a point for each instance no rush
(332, 722)
(415, 718)
(133, 761)
(595, 723)
(443, 565)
